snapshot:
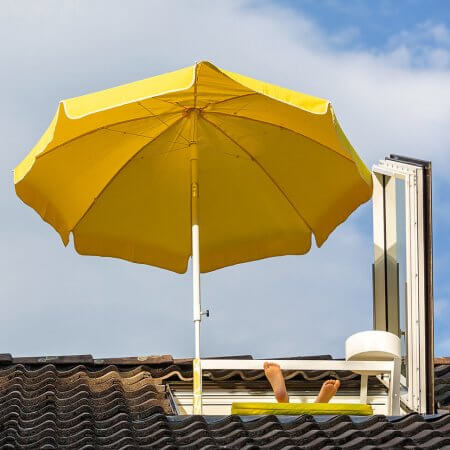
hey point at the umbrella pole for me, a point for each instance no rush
(197, 373)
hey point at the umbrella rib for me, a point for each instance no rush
(264, 171)
(120, 170)
(221, 102)
(284, 128)
(157, 117)
(105, 127)
(127, 132)
(162, 101)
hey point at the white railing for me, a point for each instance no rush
(364, 368)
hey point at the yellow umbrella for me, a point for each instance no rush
(134, 171)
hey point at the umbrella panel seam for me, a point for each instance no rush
(349, 159)
(104, 127)
(119, 171)
(158, 118)
(258, 163)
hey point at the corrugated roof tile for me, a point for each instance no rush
(65, 402)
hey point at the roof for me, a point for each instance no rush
(442, 383)
(81, 402)
(166, 368)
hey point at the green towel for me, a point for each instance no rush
(250, 409)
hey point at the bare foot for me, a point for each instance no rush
(328, 391)
(276, 380)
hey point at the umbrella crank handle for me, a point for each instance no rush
(205, 313)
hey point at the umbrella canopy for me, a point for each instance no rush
(259, 168)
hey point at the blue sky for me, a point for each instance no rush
(374, 23)
(384, 65)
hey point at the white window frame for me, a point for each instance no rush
(385, 273)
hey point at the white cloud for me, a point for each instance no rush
(59, 302)
(427, 45)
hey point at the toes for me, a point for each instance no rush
(332, 384)
(271, 365)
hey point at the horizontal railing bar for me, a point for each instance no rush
(304, 364)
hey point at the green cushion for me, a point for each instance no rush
(251, 409)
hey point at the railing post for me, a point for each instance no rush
(394, 388)
(363, 390)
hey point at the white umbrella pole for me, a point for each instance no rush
(197, 374)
